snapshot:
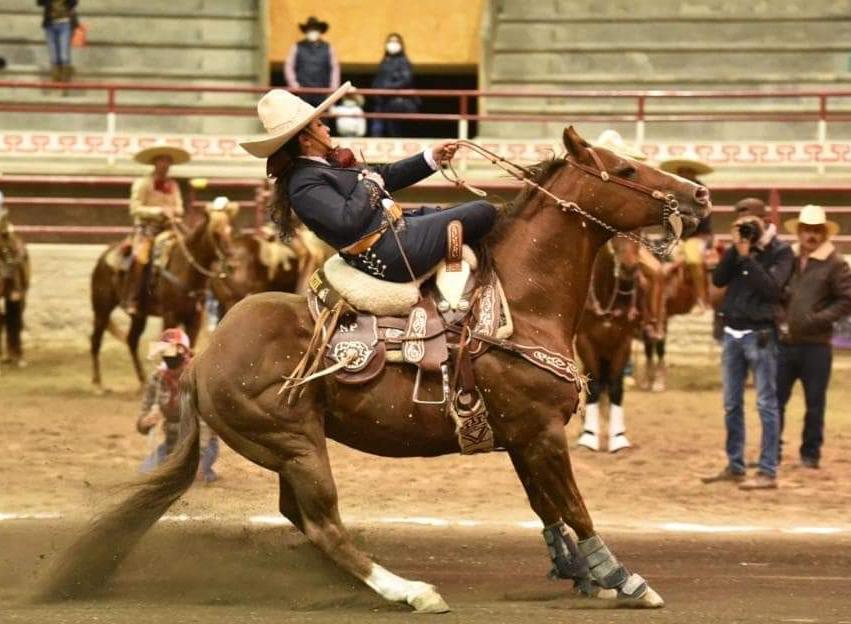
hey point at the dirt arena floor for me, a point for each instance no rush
(716, 554)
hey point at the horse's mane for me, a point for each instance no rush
(540, 173)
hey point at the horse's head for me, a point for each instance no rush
(219, 229)
(623, 194)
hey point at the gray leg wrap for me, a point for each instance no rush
(568, 563)
(607, 571)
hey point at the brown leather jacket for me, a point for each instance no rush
(816, 297)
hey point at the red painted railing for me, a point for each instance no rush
(819, 110)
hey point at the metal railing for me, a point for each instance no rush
(256, 205)
(820, 111)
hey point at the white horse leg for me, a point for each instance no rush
(421, 596)
(590, 437)
(617, 429)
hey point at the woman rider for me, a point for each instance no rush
(348, 205)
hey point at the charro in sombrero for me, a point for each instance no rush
(284, 115)
(148, 155)
(812, 215)
(614, 142)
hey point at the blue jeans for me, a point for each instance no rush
(739, 356)
(59, 42)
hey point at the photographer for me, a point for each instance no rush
(754, 270)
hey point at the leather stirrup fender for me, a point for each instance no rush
(454, 246)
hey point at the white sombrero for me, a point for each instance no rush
(284, 115)
(812, 215)
(614, 142)
(149, 154)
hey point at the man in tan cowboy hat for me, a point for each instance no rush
(312, 62)
(155, 203)
(817, 295)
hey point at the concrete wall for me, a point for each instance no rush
(436, 32)
(668, 44)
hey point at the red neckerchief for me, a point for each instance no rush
(163, 186)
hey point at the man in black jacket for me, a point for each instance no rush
(312, 62)
(818, 295)
(754, 270)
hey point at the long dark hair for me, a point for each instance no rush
(280, 166)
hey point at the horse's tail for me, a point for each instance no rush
(93, 558)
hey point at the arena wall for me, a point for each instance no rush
(436, 32)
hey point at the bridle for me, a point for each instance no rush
(181, 242)
(617, 289)
(672, 221)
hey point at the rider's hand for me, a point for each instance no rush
(152, 418)
(443, 152)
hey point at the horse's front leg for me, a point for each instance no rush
(543, 465)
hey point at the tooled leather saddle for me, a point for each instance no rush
(433, 334)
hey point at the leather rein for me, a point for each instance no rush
(671, 215)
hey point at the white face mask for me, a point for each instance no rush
(393, 47)
(313, 35)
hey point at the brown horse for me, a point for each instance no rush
(177, 295)
(14, 284)
(256, 264)
(543, 251)
(618, 306)
(678, 294)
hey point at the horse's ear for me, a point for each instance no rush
(576, 146)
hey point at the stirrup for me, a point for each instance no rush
(444, 371)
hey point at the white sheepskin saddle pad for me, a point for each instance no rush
(370, 294)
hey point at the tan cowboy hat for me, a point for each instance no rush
(147, 155)
(284, 115)
(614, 142)
(812, 215)
(674, 165)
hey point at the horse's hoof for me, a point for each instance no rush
(99, 390)
(589, 441)
(650, 600)
(429, 601)
(618, 443)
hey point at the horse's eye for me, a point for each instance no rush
(624, 170)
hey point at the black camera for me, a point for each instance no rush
(750, 231)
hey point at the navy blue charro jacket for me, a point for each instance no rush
(338, 206)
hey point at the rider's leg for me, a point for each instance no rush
(425, 237)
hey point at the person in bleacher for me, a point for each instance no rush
(312, 62)
(394, 72)
(155, 204)
(58, 21)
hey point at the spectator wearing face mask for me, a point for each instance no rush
(312, 62)
(161, 405)
(394, 72)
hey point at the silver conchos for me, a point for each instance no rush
(359, 351)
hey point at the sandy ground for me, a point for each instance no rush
(65, 451)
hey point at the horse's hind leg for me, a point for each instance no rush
(14, 327)
(307, 479)
(137, 328)
(543, 465)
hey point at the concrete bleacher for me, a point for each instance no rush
(668, 44)
(210, 42)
